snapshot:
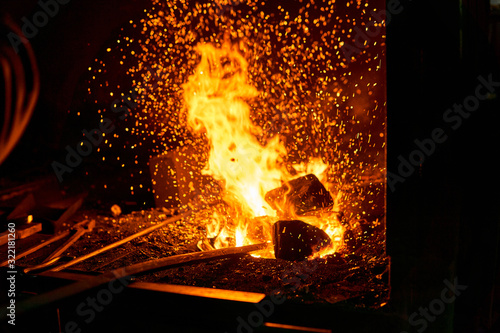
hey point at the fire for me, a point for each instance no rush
(289, 73)
(216, 96)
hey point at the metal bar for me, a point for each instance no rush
(38, 247)
(295, 328)
(186, 258)
(223, 294)
(24, 231)
(45, 263)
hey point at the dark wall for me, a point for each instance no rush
(442, 219)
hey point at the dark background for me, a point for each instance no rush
(443, 221)
(65, 48)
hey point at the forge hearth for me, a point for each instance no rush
(263, 125)
(358, 278)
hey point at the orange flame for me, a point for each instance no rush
(216, 96)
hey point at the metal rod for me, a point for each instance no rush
(185, 258)
(122, 241)
(42, 265)
(38, 247)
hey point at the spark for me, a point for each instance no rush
(323, 105)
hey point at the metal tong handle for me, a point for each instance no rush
(81, 228)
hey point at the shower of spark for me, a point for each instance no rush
(321, 105)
